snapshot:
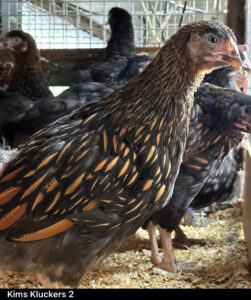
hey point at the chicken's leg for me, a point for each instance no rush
(167, 262)
(180, 238)
(155, 258)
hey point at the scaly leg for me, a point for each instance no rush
(168, 259)
(155, 258)
(180, 238)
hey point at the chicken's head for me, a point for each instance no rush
(213, 45)
(117, 16)
(19, 42)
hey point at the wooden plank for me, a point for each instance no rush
(247, 165)
(236, 18)
(247, 207)
(79, 55)
(242, 77)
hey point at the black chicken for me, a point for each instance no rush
(10, 103)
(225, 77)
(134, 66)
(222, 185)
(119, 50)
(78, 188)
(12, 109)
(217, 119)
(216, 188)
(28, 78)
(17, 128)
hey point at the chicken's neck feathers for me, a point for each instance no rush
(121, 43)
(146, 97)
(30, 59)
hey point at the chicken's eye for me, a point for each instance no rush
(17, 39)
(212, 40)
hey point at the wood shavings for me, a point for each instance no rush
(220, 263)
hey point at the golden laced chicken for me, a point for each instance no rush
(80, 187)
(28, 78)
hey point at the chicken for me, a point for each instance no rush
(222, 185)
(134, 66)
(119, 50)
(7, 63)
(13, 107)
(17, 129)
(80, 187)
(217, 120)
(216, 186)
(27, 78)
(223, 77)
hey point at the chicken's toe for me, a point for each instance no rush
(167, 265)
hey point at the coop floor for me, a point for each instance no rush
(219, 263)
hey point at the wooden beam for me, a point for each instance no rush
(246, 17)
(236, 19)
(86, 56)
(242, 77)
(247, 207)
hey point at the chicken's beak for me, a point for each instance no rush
(7, 45)
(231, 55)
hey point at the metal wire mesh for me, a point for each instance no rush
(83, 24)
